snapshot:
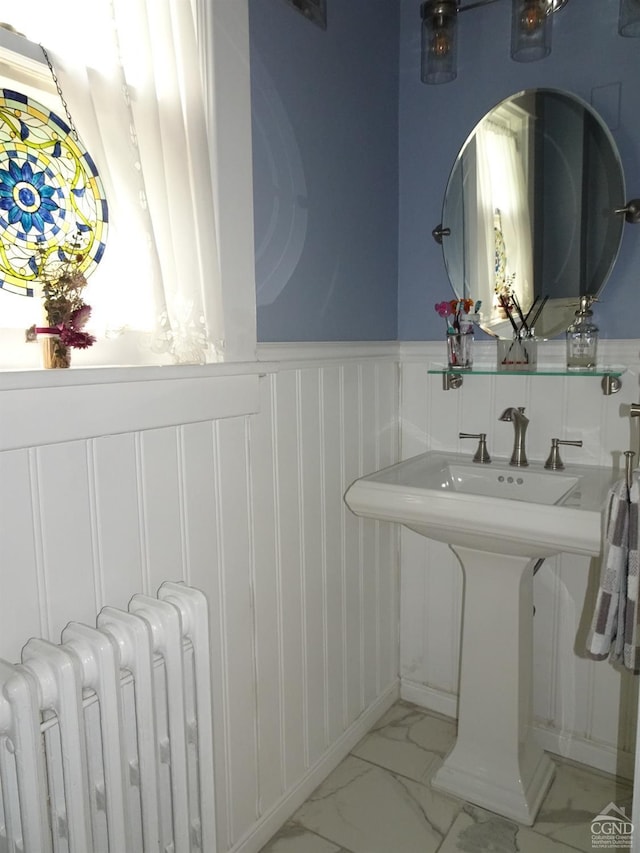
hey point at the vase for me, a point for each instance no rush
(517, 353)
(460, 349)
(55, 354)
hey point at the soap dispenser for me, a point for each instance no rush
(582, 337)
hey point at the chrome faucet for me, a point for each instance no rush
(520, 423)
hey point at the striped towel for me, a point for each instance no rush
(614, 629)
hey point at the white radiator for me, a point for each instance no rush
(106, 740)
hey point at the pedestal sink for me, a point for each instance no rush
(498, 520)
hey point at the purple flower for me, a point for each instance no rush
(71, 333)
(79, 317)
(78, 340)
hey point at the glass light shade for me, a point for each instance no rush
(530, 30)
(439, 41)
(629, 21)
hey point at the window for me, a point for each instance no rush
(158, 294)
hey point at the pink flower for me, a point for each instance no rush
(79, 317)
(79, 340)
(443, 308)
(71, 333)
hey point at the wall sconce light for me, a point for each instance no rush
(531, 27)
(530, 30)
(439, 41)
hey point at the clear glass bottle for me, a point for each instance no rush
(582, 337)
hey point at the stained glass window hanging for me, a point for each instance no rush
(52, 201)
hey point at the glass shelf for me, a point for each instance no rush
(541, 370)
(609, 374)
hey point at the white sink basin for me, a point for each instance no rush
(524, 485)
(495, 507)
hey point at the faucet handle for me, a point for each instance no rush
(554, 463)
(482, 454)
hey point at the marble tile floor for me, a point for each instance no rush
(378, 800)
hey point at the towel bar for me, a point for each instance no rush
(634, 412)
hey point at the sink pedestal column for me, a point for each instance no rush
(496, 762)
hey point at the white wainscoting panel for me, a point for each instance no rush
(303, 595)
(584, 710)
(41, 407)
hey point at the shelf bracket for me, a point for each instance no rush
(451, 381)
(610, 384)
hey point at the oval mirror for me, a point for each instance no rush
(530, 207)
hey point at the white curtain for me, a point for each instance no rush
(130, 71)
(502, 187)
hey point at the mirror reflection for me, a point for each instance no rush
(530, 205)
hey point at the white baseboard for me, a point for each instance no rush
(600, 756)
(270, 822)
(427, 697)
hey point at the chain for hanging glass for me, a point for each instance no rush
(56, 82)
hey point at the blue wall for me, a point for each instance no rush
(339, 117)
(325, 139)
(588, 58)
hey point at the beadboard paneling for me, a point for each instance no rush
(584, 709)
(114, 471)
(22, 609)
(268, 603)
(313, 565)
(304, 597)
(334, 521)
(64, 531)
(290, 576)
(387, 539)
(302, 594)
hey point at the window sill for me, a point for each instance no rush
(17, 379)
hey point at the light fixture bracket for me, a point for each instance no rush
(440, 11)
(551, 6)
(555, 5)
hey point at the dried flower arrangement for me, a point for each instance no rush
(65, 311)
(504, 293)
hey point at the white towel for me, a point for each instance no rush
(614, 631)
